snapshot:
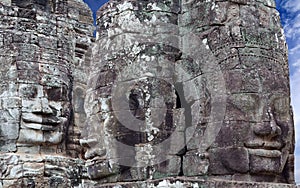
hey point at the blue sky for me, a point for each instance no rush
(290, 18)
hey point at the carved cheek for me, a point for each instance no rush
(64, 109)
(281, 108)
(283, 115)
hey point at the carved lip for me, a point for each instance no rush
(38, 126)
(264, 148)
(260, 144)
(265, 152)
(48, 120)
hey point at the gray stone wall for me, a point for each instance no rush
(203, 84)
(169, 94)
(44, 52)
(44, 59)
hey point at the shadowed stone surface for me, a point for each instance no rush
(169, 94)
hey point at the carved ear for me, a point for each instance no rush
(288, 171)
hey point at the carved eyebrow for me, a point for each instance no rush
(28, 89)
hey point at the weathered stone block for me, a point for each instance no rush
(31, 136)
(6, 2)
(268, 163)
(8, 145)
(10, 115)
(170, 167)
(228, 160)
(228, 137)
(33, 169)
(103, 171)
(29, 149)
(9, 130)
(195, 164)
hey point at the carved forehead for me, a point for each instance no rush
(256, 75)
(48, 74)
(259, 99)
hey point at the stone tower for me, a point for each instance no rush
(190, 89)
(44, 60)
(170, 93)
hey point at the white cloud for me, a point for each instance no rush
(297, 21)
(295, 50)
(292, 5)
(297, 63)
(292, 28)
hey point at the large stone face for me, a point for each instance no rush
(41, 48)
(225, 63)
(44, 52)
(193, 92)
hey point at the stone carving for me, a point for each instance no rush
(45, 114)
(252, 141)
(192, 92)
(41, 46)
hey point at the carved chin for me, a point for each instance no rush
(42, 119)
(244, 160)
(264, 164)
(31, 136)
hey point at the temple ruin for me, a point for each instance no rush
(170, 93)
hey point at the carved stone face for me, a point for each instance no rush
(45, 110)
(271, 137)
(41, 112)
(256, 136)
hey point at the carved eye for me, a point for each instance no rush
(28, 91)
(53, 94)
(56, 93)
(246, 102)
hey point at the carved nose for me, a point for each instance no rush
(269, 128)
(45, 107)
(42, 106)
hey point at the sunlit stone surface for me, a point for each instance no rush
(169, 94)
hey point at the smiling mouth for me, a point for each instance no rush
(40, 122)
(264, 148)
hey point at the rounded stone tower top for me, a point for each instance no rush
(76, 9)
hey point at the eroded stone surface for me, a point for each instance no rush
(227, 70)
(197, 90)
(44, 58)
